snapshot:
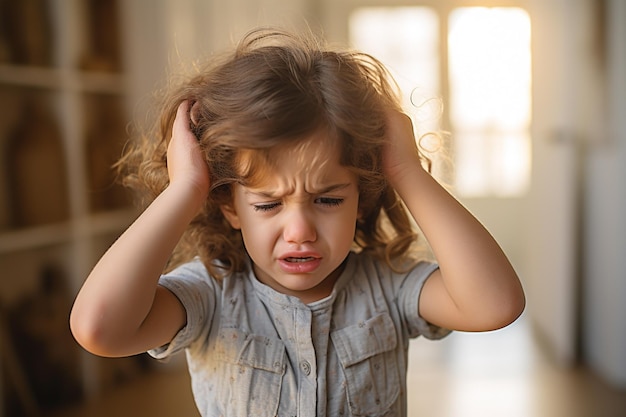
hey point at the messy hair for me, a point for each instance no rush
(276, 89)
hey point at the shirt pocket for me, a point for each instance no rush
(367, 352)
(251, 373)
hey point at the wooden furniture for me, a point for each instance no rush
(64, 103)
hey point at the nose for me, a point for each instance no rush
(299, 226)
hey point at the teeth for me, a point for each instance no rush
(296, 260)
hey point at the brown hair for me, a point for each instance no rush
(276, 89)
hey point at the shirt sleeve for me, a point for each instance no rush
(408, 300)
(191, 284)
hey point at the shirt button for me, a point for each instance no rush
(306, 367)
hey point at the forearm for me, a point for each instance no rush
(119, 293)
(474, 271)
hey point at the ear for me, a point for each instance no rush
(359, 215)
(231, 216)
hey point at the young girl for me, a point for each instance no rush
(279, 178)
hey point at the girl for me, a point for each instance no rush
(279, 178)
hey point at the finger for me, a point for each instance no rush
(182, 118)
(194, 109)
(182, 124)
(193, 112)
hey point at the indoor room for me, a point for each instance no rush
(527, 97)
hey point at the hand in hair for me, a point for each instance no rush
(400, 153)
(120, 310)
(186, 164)
(475, 287)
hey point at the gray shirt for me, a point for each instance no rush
(253, 351)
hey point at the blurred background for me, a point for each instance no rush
(532, 93)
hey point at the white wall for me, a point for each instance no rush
(604, 288)
(164, 36)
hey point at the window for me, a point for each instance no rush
(488, 79)
(406, 40)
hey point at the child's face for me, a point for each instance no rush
(298, 224)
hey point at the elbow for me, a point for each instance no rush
(494, 313)
(84, 330)
(511, 313)
(508, 304)
(505, 311)
(516, 303)
(89, 332)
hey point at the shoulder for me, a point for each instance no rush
(365, 266)
(192, 285)
(377, 287)
(368, 278)
(192, 272)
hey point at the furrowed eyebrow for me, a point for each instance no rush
(331, 188)
(263, 194)
(275, 194)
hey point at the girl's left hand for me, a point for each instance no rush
(475, 287)
(400, 152)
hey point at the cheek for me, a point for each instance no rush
(250, 229)
(344, 226)
(256, 232)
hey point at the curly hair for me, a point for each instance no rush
(276, 89)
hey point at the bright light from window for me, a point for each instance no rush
(489, 77)
(406, 40)
(490, 99)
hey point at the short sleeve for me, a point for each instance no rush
(408, 301)
(191, 284)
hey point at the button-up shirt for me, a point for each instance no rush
(253, 351)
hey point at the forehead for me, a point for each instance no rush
(314, 160)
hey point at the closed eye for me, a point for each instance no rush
(265, 207)
(329, 201)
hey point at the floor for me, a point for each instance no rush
(501, 373)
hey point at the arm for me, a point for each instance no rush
(475, 288)
(120, 310)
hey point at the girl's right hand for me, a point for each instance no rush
(186, 165)
(121, 310)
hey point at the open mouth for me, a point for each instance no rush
(300, 264)
(300, 260)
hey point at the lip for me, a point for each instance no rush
(300, 262)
